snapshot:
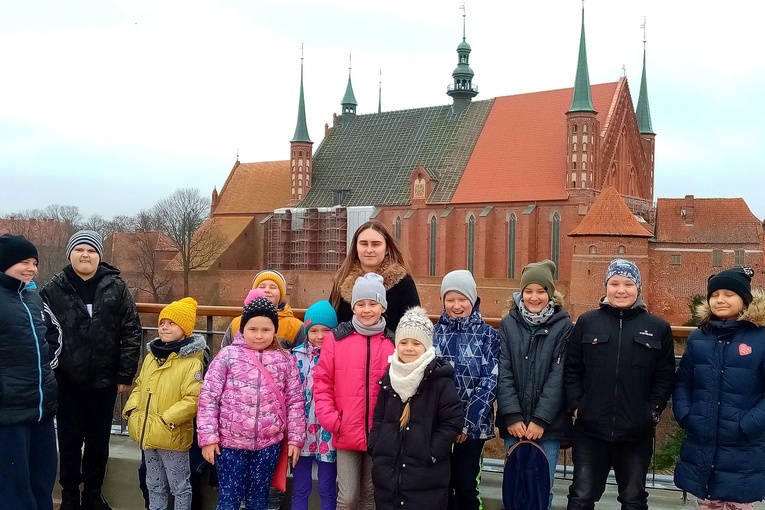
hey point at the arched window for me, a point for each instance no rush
(593, 249)
(512, 224)
(397, 228)
(471, 243)
(621, 250)
(555, 242)
(433, 246)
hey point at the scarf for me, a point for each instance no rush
(406, 377)
(162, 350)
(368, 330)
(539, 318)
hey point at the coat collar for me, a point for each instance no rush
(391, 272)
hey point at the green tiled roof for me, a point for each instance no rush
(373, 155)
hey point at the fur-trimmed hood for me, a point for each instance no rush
(515, 300)
(391, 272)
(754, 313)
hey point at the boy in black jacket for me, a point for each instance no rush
(619, 374)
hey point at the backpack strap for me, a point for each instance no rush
(270, 380)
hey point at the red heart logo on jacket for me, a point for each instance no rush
(744, 350)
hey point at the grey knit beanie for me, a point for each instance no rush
(369, 286)
(460, 281)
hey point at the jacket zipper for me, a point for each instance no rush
(257, 402)
(616, 382)
(37, 349)
(145, 420)
(366, 384)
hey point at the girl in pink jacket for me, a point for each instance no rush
(251, 397)
(345, 388)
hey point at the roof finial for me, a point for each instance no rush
(464, 15)
(237, 153)
(624, 70)
(349, 62)
(301, 52)
(643, 27)
(379, 97)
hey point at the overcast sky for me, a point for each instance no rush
(111, 105)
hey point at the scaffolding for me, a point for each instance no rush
(307, 239)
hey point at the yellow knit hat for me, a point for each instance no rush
(183, 313)
(274, 276)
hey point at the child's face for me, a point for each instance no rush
(24, 270)
(535, 297)
(259, 333)
(621, 292)
(457, 305)
(271, 290)
(368, 311)
(316, 335)
(409, 350)
(170, 331)
(84, 259)
(725, 304)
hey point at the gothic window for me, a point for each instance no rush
(584, 146)
(593, 250)
(621, 250)
(738, 258)
(555, 241)
(717, 258)
(512, 224)
(471, 243)
(584, 128)
(574, 146)
(574, 128)
(397, 228)
(433, 246)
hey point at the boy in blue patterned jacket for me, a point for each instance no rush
(471, 346)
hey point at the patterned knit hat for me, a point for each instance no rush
(415, 324)
(252, 295)
(369, 286)
(14, 249)
(274, 276)
(460, 281)
(322, 313)
(737, 279)
(182, 312)
(259, 307)
(625, 268)
(89, 237)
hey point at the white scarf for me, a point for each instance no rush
(406, 377)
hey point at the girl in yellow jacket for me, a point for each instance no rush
(163, 404)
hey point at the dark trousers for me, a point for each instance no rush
(466, 460)
(593, 459)
(84, 419)
(27, 465)
(245, 476)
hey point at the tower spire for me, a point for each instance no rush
(643, 112)
(462, 90)
(349, 103)
(301, 129)
(379, 95)
(582, 98)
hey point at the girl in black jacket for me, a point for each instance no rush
(417, 418)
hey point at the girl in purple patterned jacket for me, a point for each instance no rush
(251, 398)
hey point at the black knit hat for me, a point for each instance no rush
(14, 249)
(259, 307)
(737, 279)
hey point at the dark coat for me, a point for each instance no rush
(530, 382)
(719, 399)
(619, 369)
(29, 343)
(400, 292)
(101, 350)
(410, 467)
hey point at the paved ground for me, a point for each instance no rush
(122, 492)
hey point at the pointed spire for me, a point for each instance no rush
(643, 111)
(349, 103)
(301, 129)
(582, 100)
(462, 90)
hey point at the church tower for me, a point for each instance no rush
(582, 128)
(349, 103)
(647, 135)
(301, 152)
(462, 90)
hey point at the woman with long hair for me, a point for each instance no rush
(374, 250)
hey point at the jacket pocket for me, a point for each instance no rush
(645, 351)
(595, 348)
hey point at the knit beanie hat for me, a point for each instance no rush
(737, 279)
(460, 281)
(369, 286)
(14, 249)
(182, 312)
(89, 237)
(322, 313)
(415, 324)
(541, 273)
(274, 276)
(253, 294)
(259, 307)
(626, 268)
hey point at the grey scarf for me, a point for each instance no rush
(368, 330)
(539, 318)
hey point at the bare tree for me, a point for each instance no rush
(153, 275)
(182, 214)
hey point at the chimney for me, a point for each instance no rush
(688, 209)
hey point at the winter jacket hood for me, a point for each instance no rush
(161, 407)
(754, 313)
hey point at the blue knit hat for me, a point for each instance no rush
(625, 268)
(322, 313)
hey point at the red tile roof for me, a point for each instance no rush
(610, 216)
(715, 221)
(255, 188)
(521, 152)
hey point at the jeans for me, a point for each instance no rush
(593, 459)
(551, 448)
(302, 483)
(466, 461)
